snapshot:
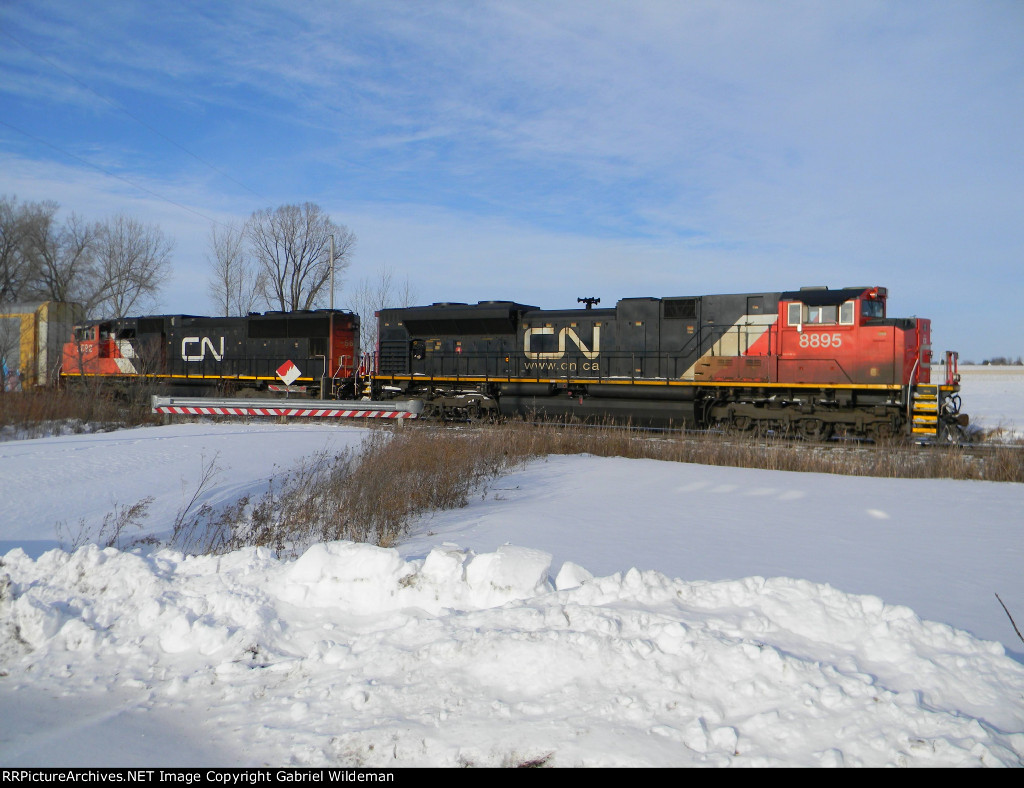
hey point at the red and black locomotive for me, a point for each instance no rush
(809, 362)
(314, 353)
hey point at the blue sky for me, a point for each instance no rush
(540, 151)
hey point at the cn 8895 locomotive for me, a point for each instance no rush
(810, 362)
(312, 353)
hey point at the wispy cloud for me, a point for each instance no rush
(730, 145)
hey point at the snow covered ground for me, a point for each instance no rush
(583, 611)
(994, 397)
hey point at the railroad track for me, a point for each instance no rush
(770, 441)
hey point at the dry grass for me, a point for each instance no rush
(113, 532)
(896, 459)
(40, 411)
(370, 495)
(375, 493)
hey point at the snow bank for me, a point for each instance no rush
(352, 655)
(943, 548)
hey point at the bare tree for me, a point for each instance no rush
(63, 258)
(133, 261)
(235, 285)
(383, 290)
(291, 247)
(15, 267)
(111, 268)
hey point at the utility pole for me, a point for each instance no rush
(332, 273)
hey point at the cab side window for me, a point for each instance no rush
(822, 315)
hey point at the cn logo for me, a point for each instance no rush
(189, 351)
(563, 334)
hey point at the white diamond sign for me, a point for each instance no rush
(288, 372)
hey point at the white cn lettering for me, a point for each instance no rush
(205, 343)
(590, 353)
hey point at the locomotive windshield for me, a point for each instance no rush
(872, 309)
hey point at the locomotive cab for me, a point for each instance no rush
(95, 347)
(850, 306)
(845, 336)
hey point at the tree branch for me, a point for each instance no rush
(1011, 620)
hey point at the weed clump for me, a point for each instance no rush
(370, 494)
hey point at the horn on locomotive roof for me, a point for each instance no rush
(588, 301)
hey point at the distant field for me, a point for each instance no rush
(1014, 373)
(992, 396)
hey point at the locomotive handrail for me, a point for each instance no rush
(910, 391)
(952, 368)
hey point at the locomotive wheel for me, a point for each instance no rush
(431, 410)
(740, 424)
(814, 429)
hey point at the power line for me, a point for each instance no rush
(138, 120)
